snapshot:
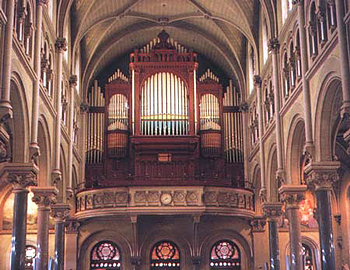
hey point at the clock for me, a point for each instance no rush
(166, 198)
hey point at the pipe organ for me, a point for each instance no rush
(163, 125)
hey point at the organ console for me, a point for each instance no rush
(161, 125)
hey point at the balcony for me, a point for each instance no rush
(165, 201)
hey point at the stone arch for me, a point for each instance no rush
(19, 125)
(256, 180)
(294, 151)
(271, 179)
(93, 239)
(45, 155)
(182, 243)
(238, 239)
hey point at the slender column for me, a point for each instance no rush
(274, 49)
(61, 46)
(245, 117)
(272, 210)
(196, 258)
(59, 212)
(135, 259)
(43, 197)
(72, 230)
(344, 56)
(34, 147)
(309, 144)
(20, 176)
(321, 176)
(5, 104)
(84, 107)
(72, 84)
(257, 83)
(292, 195)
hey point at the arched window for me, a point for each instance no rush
(165, 255)
(286, 75)
(30, 253)
(105, 256)
(225, 255)
(308, 258)
(292, 67)
(287, 6)
(251, 68)
(265, 40)
(313, 30)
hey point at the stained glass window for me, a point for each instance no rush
(105, 256)
(225, 255)
(308, 258)
(30, 256)
(165, 255)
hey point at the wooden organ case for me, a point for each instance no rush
(162, 126)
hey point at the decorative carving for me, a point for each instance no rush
(292, 195)
(257, 81)
(322, 176)
(274, 45)
(43, 2)
(72, 226)
(22, 179)
(272, 210)
(61, 45)
(84, 107)
(4, 156)
(34, 152)
(60, 211)
(44, 196)
(258, 224)
(191, 197)
(337, 218)
(56, 176)
(263, 194)
(73, 79)
(244, 107)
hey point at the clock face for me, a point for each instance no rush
(166, 198)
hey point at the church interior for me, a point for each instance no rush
(183, 135)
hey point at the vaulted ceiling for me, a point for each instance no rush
(107, 29)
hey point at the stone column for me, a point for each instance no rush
(72, 84)
(257, 83)
(59, 212)
(43, 197)
(309, 144)
(84, 107)
(5, 104)
(344, 56)
(20, 176)
(321, 176)
(292, 195)
(272, 211)
(135, 259)
(274, 49)
(34, 147)
(72, 231)
(196, 258)
(61, 46)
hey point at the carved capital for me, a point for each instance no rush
(258, 224)
(61, 44)
(263, 194)
(34, 152)
(84, 107)
(274, 45)
(272, 210)
(56, 176)
(73, 79)
(60, 211)
(72, 226)
(322, 175)
(257, 81)
(244, 107)
(292, 195)
(21, 175)
(44, 196)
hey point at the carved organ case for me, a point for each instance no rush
(162, 125)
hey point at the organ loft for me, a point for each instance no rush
(164, 124)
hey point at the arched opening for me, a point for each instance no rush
(105, 255)
(225, 255)
(165, 255)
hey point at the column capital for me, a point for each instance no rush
(73, 79)
(60, 211)
(258, 224)
(56, 176)
(274, 45)
(72, 226)
(44, 196)
(292, 195)
(322, 175)
(61, 44)
(298, 2)
(21, 175)
(272, 210)
(84, 107)
(244, 107)
(257, 81)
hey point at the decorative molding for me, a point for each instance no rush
(274, 45)
(258, 224)
(72, 226)
(21, 175)
(272, 210)
(44, 197)
(292, 195)
(73, 79)
(60, 211)
(61, 45)
(257, 81)
(322, 175)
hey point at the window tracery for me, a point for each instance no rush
(165, 255)
(225, 255)
(105, 256)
